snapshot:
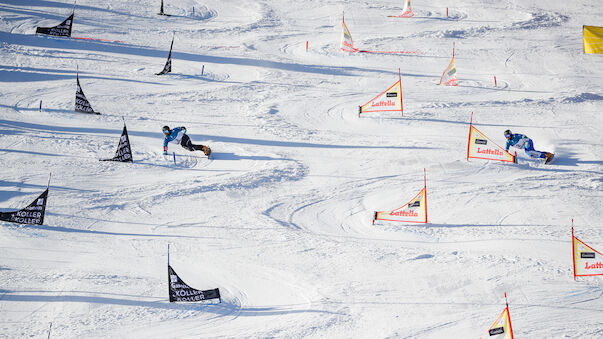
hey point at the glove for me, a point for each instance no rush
(164, 152)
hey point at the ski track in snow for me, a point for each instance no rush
(280, 217)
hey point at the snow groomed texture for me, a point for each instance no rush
(280, 219)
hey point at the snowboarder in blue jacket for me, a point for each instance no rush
(521, 141)
(178, 135)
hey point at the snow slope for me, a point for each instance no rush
(280, 218)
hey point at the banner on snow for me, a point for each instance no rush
(62, 29)
(168, 64)
(587, 260)
(592, 37)
(389, 100)
(501, 329)
(449, 77)
(406, 11)
(124, 151)
(180, 291)
(32, 214)
(479, 146)
(414, 211)
(81, 103)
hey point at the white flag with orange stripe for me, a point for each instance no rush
(479, 146)
(587, 260)
(501, 329)
(347, 44)
(389, 100)
(415, 211)
(449, 77)
(406, 11)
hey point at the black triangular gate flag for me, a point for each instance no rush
(124, 151)
(81, 103)
(63, 29)
(32, 214)
(168, 65)
(180, 291)
(161, 10)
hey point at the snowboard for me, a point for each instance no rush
(548, 161)
(206, 150)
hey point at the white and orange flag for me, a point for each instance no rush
(389, 100)
(406, 11)
(414, 211)
(587, 260)
(501, 329)
(449, 77)
(479, 146)
(347, 44)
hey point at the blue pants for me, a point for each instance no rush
(529, 149)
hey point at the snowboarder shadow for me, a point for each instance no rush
(232, 156)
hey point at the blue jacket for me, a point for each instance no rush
(518, 141)
(175, 135)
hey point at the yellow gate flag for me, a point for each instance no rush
(593, 39)
(501, 329)
(480, 146)
(387, 101)
(587, 260)
(413, 211)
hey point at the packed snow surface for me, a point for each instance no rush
(280, 218)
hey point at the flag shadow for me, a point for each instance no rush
(30, 74)
(224, 308)
(19, 125)
(75, 230)
(232, 156)
(161, 303)
(123, 48)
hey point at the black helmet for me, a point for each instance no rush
(508, 134)
(166, 129)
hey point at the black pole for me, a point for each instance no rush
(169, 290)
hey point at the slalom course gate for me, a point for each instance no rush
(124, 151)
(592, 37)
(62, 29)
(502, 329)
(180, 291)
(479, 146)
(347, 44)
(168, 64)
(406, 11)
(389, 100)
(33, 214)
(587, 261)
(81, 103)
(449, 77)
(415, 211)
